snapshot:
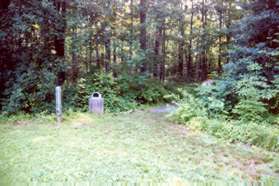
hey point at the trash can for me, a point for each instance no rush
(96, 103)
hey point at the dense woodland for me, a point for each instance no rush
(132, 50)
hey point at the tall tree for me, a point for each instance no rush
(190, 46)
(203, 69)
(143, 34)
(5, 53)
(131, 39)
(59, 41)
(220, 11)
(163, 62)
(181, 42)
(253, 66)
(157, 52)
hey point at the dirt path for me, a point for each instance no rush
(168, 108)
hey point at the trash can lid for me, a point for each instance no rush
(96, 95)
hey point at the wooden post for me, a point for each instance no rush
(58, 96)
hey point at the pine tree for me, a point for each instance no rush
(257, 36)
(254, 59)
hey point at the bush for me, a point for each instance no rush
(121, 94)
(206, 103)
(152, 92)
(251, 90)
(210, 100)
(35, 94)
(78, 94)
(188, 109)
(243, 96)
(143, 90)
(205, 112)
(250, 110)
(32, 91)
(261, 135)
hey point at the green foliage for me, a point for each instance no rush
(189, 108)
(263, 135)
(254, 62)
(243, 92)
(143, 90)
(120, 94)
(250, 110)
(274, 101)
(14, 118)
(28, 68)
(251, 90)
(210, 100)
(152, 92)
(30, 92)
(253, 123)
(204, 102)
(77, 95)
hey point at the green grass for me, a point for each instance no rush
(138, 147)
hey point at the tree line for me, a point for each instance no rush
(158, 38)
(62, 40)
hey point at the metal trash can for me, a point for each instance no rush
(96, 103)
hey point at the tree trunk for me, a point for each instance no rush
(90, 50)
(114, 60)
(228, 25)
(157, 58)
(107, 51)
(59, 42)
(162, 66)
(6, 60)
(181, 46)
(190, 57)
(74, 56)
(143, 37)
(131, 39)
(203, 63)
(122, 52)
(98, 60)
(220, 39)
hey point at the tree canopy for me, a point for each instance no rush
(63, 42)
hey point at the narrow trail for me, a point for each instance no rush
(168, 108)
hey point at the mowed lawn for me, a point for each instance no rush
(137, 147)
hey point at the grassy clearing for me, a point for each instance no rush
(126, 148)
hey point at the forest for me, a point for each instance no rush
(163, 67)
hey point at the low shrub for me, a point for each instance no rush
(201, 113)
(188, 109)
(31, 92)
(14, 118)
(143, 90)
(121, 94)
(262, 135)
(209, 98)
(152, 92)
(77, 95)
(241, 96)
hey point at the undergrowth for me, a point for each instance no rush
(122, 93)
(206, 111)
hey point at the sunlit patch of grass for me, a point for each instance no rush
(125, 148)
